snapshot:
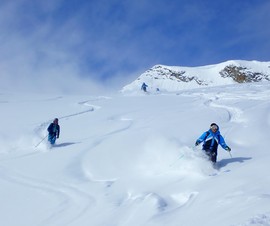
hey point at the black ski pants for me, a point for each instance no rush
(212, 154)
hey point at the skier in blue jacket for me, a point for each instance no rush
(211, 139)
(54, 131)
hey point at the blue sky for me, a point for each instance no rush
(113, 41)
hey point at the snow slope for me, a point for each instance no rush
(129, 160)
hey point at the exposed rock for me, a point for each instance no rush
(175, 78)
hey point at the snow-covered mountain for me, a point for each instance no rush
(175, 78)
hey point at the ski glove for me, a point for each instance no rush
(197, 143)
(228, 148)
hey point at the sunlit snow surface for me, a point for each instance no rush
(130, 160)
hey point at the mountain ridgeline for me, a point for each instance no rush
(175, 78)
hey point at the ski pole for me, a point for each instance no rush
(230, 154)
(180, 156)
(41, 141)
(194, 148)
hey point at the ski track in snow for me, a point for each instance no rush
(41, 129)
(131, 203)
(132, 208)
(91, 108)
(71, 199)
(73, 202)
(259, 220)
(122, 124)
(234, 114)
(77, 164)
(98, 141)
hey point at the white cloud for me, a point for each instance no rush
(113, 41)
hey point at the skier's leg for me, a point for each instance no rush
(214, 156)
(51, 138)
(208, 153)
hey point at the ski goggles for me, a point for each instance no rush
(214, 127)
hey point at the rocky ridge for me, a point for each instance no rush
(175, 78)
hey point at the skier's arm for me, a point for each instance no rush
(201, 138)
(58, 131)
(223, 143)
(50, 128)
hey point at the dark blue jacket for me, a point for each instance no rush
(144, 86)
(54, 130)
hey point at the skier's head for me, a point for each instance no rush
(214, 127)
(55, 121)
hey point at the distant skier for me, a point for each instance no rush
(211, 139)
(144, 86)
(54, 131)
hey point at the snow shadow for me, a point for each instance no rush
(64, 144)
(224, 162)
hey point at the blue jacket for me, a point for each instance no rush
(54, 130)
(211, 140)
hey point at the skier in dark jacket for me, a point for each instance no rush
(144, 86)
(211, 139)
(54, 131)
